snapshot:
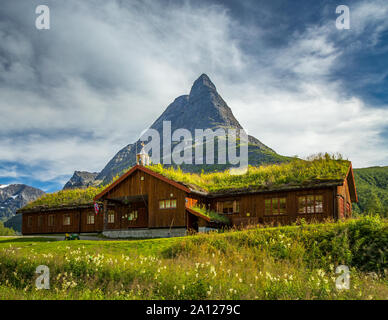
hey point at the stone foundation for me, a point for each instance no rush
(206, 229)
(145, 233)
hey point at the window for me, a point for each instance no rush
(40, 221)
(318, 204)
(111, 216)
(275, 206)
(268, 206)
(282, 206)
(90, 219)
(133, 216)
(228, 207)
(310, 204)
(51, 220)
(29, 222)
(237, 206)
(167, 204)
(66, 220)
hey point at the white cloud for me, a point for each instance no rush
(107, 72)
(310, 113)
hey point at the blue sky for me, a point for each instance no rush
(72, 96)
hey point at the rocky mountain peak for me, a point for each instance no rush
(202, 85)
(203, 108)
(15, 196)
(81, 179)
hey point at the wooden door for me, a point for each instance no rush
(133, 216)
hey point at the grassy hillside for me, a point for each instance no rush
(294, 262)
(372, 189)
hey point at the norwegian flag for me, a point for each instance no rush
(96, 208)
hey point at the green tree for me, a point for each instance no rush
(6, 231)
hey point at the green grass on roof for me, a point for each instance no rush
(212, 215)
(66, 198)
(322, 167)
(295, 172)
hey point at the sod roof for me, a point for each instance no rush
(63, 199)
(295, 174)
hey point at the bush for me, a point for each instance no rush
(6, 231)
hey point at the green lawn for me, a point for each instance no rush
(46, 245)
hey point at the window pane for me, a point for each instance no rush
(318, 204)
(275, 206)
(268, 206)
(168, 204)
(90, 219)
(310, 204)
(161, 204)
(173, 203)
(302, 204)
(228, 207)
(237, 206)
(282, 205)
(66, 220)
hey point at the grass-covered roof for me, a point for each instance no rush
(65, 198)
(211, 215)
(296, 172)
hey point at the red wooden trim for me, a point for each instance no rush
(148, 171)
(199, 215)
(353, 181)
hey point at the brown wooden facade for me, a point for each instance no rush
(63, 220)
(142, 198)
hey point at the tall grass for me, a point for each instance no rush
(295, 262)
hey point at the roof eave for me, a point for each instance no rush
(145, 170)
(352, 184)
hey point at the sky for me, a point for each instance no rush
(72, 96)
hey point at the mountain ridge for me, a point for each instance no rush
(14, 197)
(82, 179)
(203, 108)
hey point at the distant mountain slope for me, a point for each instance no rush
(13, 197)
(372, 189)
(15, 223)
(81, 179)
(203, 108)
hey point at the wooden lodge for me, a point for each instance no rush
(143, 203)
